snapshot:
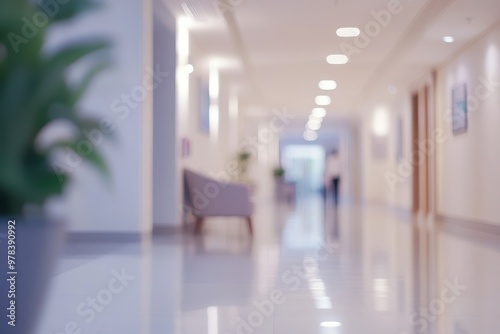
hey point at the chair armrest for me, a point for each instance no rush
(209, 197)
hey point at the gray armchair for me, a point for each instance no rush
(207, 197)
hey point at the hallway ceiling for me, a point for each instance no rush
(283, 45)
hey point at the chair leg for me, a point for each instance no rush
(198, 225)
(250, 227)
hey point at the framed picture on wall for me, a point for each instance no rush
(185, 147)
(399, 139)
(204, 107)
(459, 108)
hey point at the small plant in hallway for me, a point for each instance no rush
(278, 172)
(243, 159)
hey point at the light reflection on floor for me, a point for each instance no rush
(308, 270)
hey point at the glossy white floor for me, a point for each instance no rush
(360, 270)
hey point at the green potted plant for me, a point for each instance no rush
(34, 93)
(243, 159)
(278, 173)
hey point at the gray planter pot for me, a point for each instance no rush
(37, 244)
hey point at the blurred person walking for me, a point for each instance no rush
(332, 175)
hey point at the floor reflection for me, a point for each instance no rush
(310, 268)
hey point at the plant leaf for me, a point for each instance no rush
(94, 158)
(84, 83)
(70, 54)
(70, 9)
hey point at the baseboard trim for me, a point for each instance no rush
(118, 237)
(401, 212)
(167, 230)
(477, 226)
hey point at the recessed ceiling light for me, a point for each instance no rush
(337, 59)
(319, 112)
(330, 324)
(315, 118)
(313, 125)
(310, 135)
(323, 100)
(327, 85)
(348, 32)
(189, 68)
(448, 39)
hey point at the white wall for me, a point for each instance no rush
(209, 151)
(91, 204)
(468, 182)
(469, 163)
(382, 181)
(165, 146)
